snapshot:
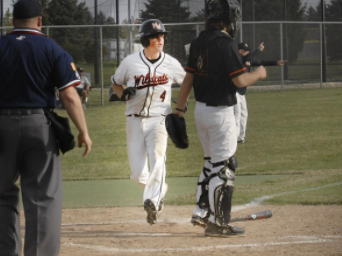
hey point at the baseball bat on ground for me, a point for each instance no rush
(254, 216)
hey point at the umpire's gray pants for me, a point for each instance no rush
(28, 149)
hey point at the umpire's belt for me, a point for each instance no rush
(20, 111)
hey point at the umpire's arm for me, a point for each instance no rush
(73, 106)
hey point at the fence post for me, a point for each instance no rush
(101, 67)
(281, 57)
(321, 53)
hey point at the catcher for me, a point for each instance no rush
(214, 70)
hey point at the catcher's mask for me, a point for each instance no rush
(150, 29)
(228, 10)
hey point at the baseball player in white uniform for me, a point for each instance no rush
(148, 76)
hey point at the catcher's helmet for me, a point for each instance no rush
(228, 10)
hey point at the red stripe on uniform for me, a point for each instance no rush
(238, 71)
(190, 69)
(72, 85)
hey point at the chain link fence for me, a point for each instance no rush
(308, 46)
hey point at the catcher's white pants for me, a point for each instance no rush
(146, 148)
(216, 128)
(241, 115)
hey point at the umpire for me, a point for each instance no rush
(31, 66)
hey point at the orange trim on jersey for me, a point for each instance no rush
(238, 71)
(191, 69)
(72, 85)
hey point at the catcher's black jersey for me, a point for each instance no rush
(214, 60)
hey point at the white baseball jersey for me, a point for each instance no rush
(152, 81)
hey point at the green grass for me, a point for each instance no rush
(300, 71)
(294, 132)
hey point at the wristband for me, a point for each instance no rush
(181, 110)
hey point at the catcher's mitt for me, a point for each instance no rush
(176, 128)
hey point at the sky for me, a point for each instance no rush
(108, 7)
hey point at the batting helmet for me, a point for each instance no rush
(228, 10)
(150, 28)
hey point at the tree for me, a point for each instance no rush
(282, 10)
(169, 11)
(69, 12)
(200, 16)
(334, 31)
(314, 14)
(7, 18)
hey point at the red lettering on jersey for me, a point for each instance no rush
(146, 81)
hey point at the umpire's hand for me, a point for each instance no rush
(127, 93)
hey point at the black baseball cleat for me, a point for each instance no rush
(198, 221)
(227, 231)
(241, 141)
(151, 210)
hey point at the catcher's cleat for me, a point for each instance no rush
(228, 231)
(198, 221)
(151, 210)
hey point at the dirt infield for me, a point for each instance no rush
(292, 230)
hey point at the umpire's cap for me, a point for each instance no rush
(25, 9)
(151, 27)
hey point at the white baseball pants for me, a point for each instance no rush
(241, 115)
(216, 128)
(146, 148)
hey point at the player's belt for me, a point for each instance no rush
(136, 115)
(20, 111)
(214, 105)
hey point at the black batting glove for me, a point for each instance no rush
(127, 93)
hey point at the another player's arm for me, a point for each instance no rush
(250, 78)
(184, 93)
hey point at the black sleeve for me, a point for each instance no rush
(269, 62)
(256, 62)
(232, 60)
(251, 55)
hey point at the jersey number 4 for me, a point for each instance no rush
(162, 96)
